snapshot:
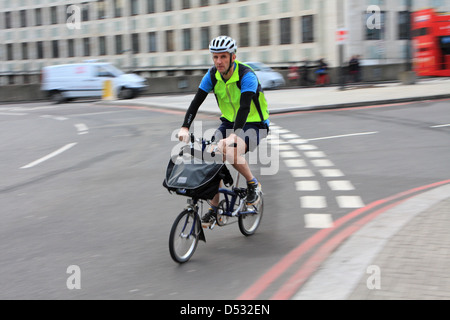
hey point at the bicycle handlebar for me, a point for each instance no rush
(203, 143)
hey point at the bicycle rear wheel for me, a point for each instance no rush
(184, 236)
(248, 223)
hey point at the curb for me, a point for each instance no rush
(354, 256)
(286, 109)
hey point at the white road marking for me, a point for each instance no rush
(344, 135)
(289, 154)
(82, 128)
(49, 156)
(322, 163)
(302, 173)
(307, 147)
(441, 126)
(349, 202)
(330, 173)
(290, 136)
(340, 185)
(315, 154)
(307, 185)
(93, 113)
(318, 220)
(12, 114)
(54, 117)
(295, 163)
(313, 202)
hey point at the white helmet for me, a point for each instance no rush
(222, 44)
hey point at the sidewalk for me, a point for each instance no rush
(288, 100)
(409, 243)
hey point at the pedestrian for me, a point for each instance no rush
(304, 73)
(293, 75)
(322, 73)
(354, 69)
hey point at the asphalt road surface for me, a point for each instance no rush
(84, 214)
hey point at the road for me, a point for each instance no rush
(81, 186)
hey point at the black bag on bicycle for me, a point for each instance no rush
(196, 178)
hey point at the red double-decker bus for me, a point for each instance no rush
(431, 37)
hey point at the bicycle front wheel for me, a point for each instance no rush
(184, 236)
(249, 222)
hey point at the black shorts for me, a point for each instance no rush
(252, 133)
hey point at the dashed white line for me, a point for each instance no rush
(82, 128)
(318, 220)
(349, 202)
(49, 156)
(322, 163)
(289, 154)
(295, 163)
(340, 185)
(330, 173)
(305, 185)
(344, 135)
(313, 202)
(302, 173)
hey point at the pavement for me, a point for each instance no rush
(401, 254)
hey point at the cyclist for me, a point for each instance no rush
(245, 118)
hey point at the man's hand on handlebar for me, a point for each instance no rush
(183, 135)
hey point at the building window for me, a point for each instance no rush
(264, 33)
(151, 6)
(135, 42)
(152, 43)
(86, 47)
(119, 45)
(40, 49)
(224, 29)
(101, 9)
(24, 51)
(9, 52)
(7, 20)
(102, 45)
(85, 12)
(118, 6)
(55, 49)
(23, 18)
(170, 45)
(244, 40)
(53, 15)
(187, 39)
(168, 5)
(204, 3)
(38, 16)
(134, 7)
(404, 25)
(70, 48)
(205, 38)
(186, 4)
(308, 29)
(285, 31)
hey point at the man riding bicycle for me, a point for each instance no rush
(245, 118)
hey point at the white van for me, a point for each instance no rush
(86, 80)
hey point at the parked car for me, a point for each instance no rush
(269, 78)
(86, 80)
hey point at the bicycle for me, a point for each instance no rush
(187, 228)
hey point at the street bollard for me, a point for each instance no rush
(108, 90)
